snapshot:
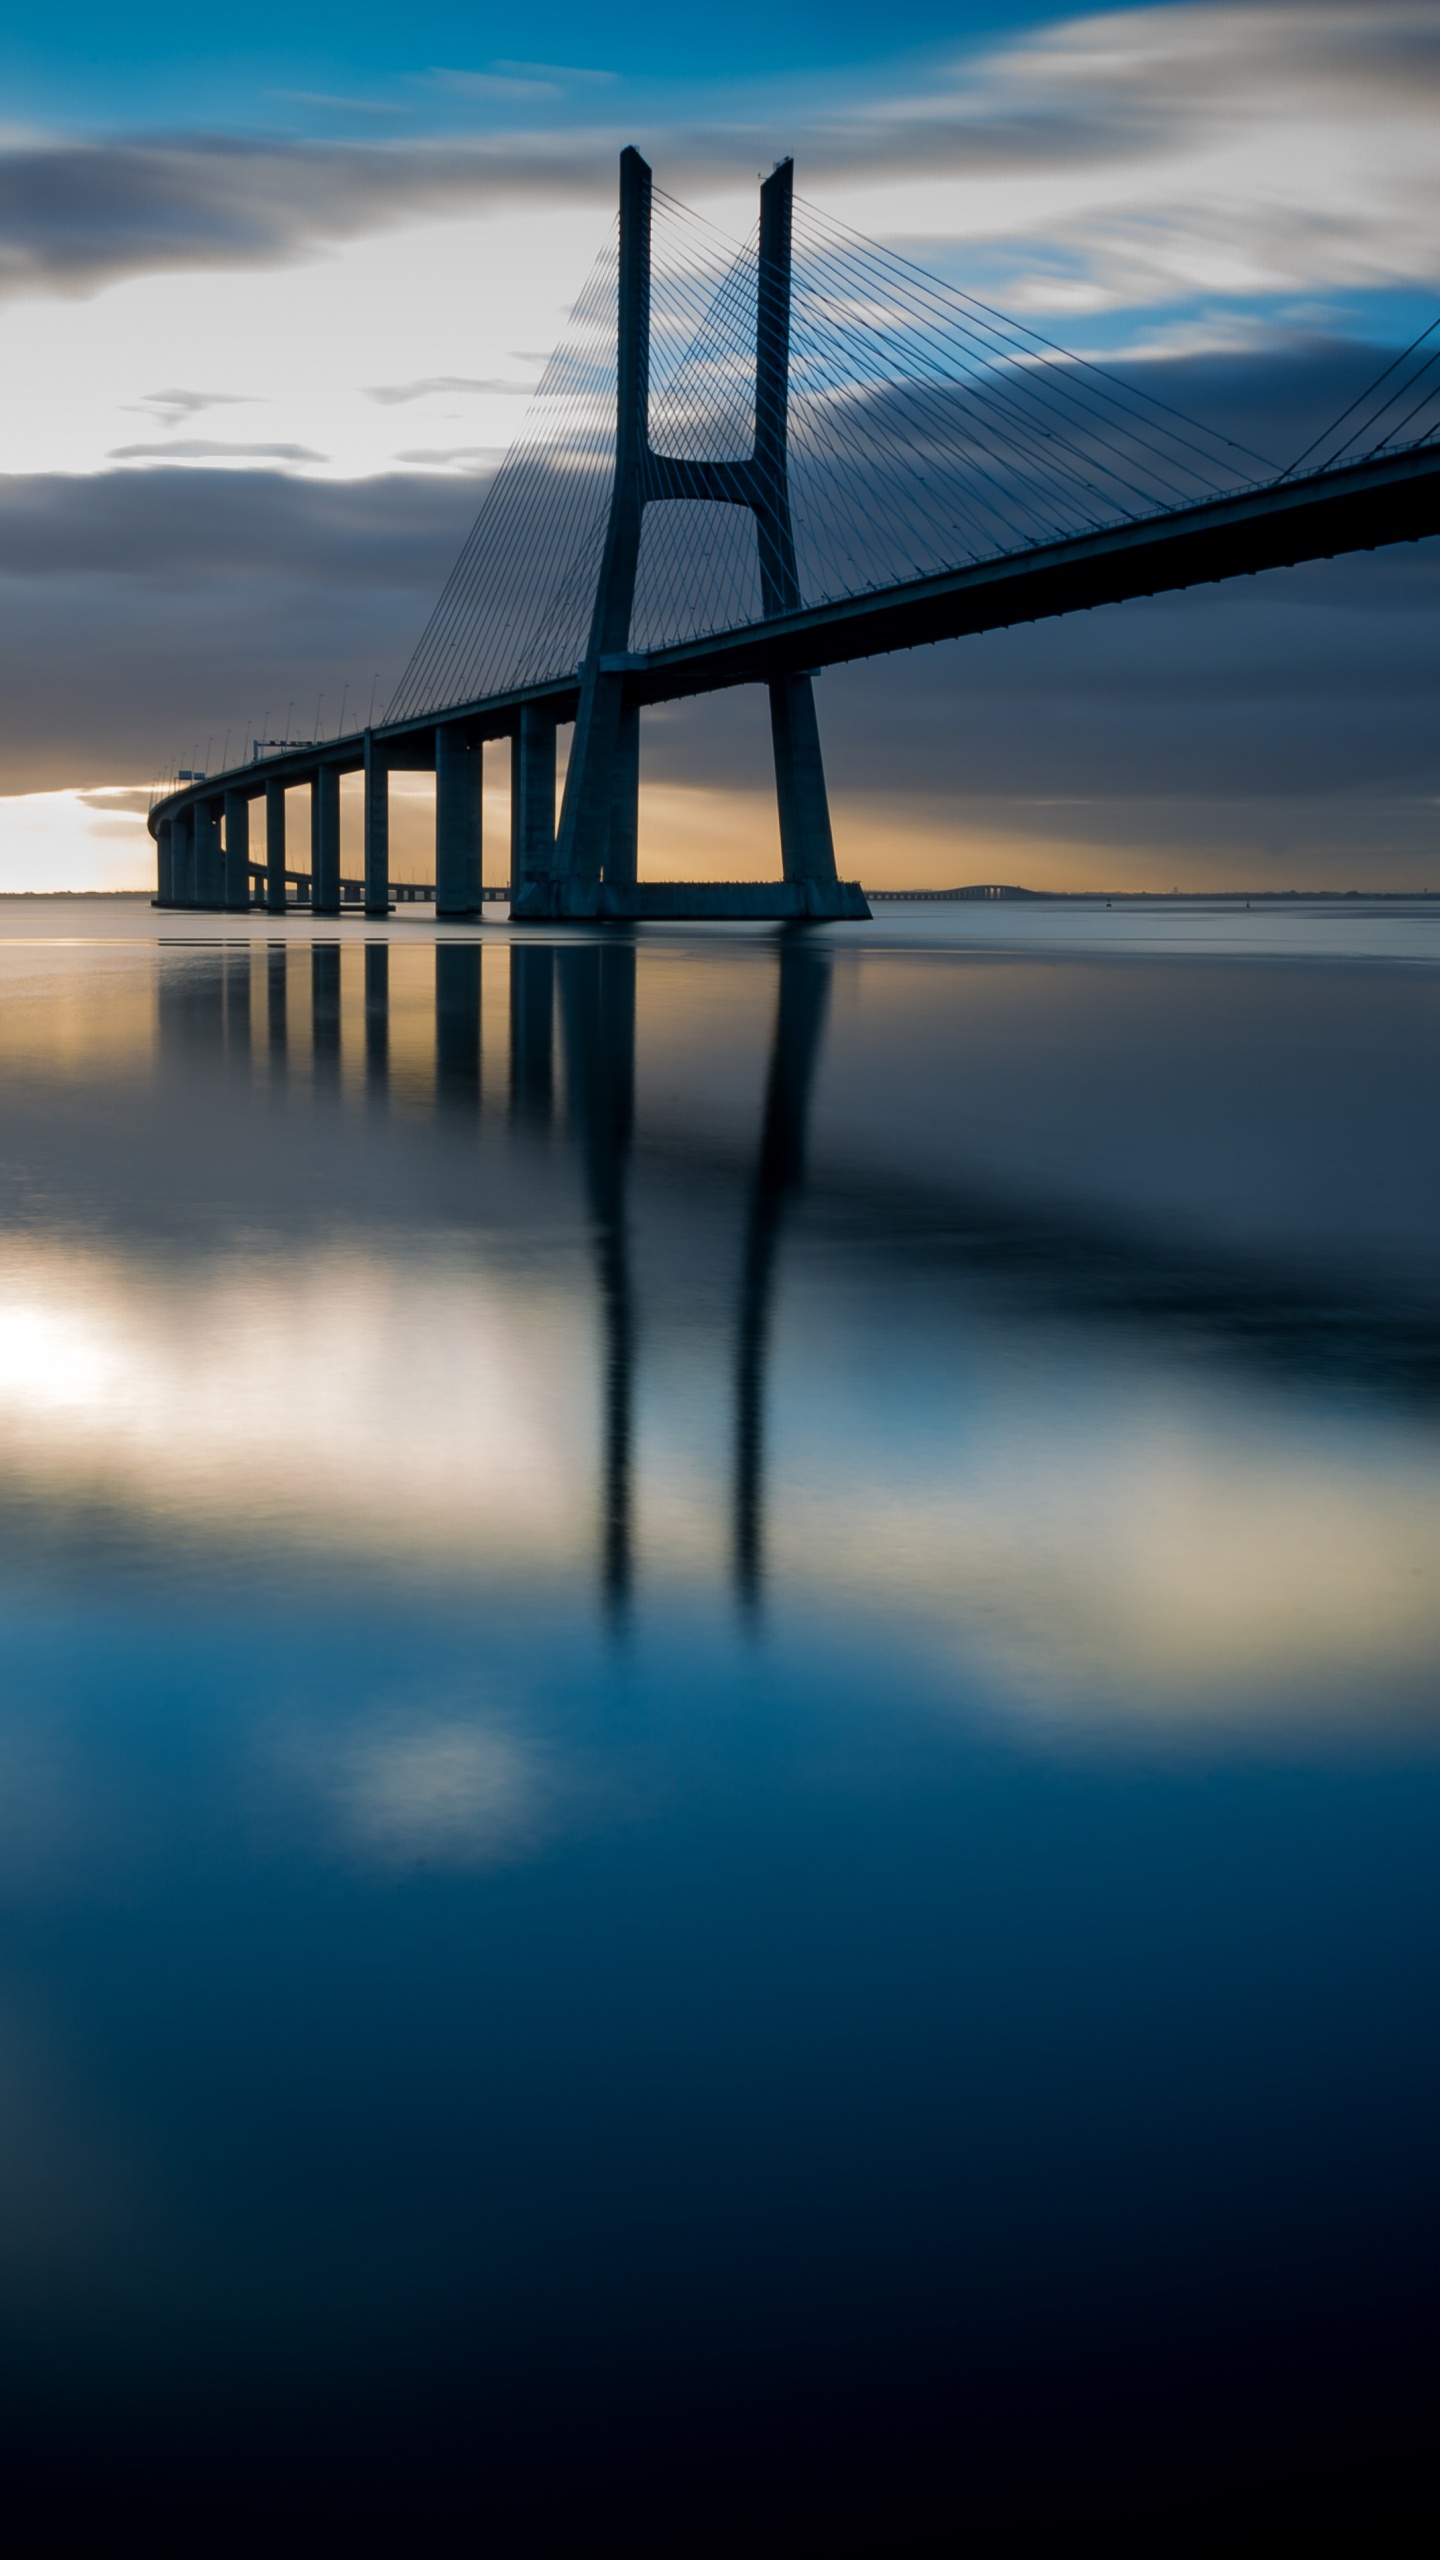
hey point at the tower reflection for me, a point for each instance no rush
(532, 1033)
(597, 1005)
(598, 1013)
(802, 1005)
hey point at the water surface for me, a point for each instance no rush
(718, 1732)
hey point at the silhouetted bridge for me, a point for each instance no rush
(745, 467)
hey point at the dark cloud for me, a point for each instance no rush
(143, 610)
(206, 449)
(393, 395)
(444, 457)
(173, 406)
(76, 215)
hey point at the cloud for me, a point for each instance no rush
(1171, 152)
(205, 449)
(394, 394)
(170, 407)
(77, 215)
(438, 457)
(141, 608)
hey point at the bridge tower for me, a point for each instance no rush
(595, 849)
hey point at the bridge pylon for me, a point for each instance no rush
(592, 871)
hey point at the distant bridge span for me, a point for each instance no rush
(585, 868)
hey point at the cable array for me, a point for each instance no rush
(926, 431)
(1408, 414)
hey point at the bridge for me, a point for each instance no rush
(743, 466)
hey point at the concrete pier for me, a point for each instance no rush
(377, 830)
(237, 852)
(209, 886)
(325, 841)
(459, 771)
(165, 863)
(275, 846)
(183, 842)
(532, 797)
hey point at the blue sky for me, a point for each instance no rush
(275, 65)
(270, 314)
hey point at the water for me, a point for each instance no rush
(719, 1791)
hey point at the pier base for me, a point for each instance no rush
(690, 901)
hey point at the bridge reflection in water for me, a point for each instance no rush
(589, 994)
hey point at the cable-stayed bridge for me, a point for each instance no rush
(745, 464)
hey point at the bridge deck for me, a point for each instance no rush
(1395, 498)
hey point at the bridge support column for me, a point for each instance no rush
(275, 846)
(377, 830)
(622, 856)
(165, 864)
(807, 849)
(325, 841)
(532, 799)
(459, 769)
(182, 840)
(237, 852)
(209, 889)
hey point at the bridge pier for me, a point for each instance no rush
(532, 798)
(275, 846)
(459, 771)
(183, 843)
(208, 885)
(622, 854)
(807, 848)
(325, 841)
(165, 863)
(377, 830)
(237, 852)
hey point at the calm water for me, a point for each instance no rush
(719, 1737)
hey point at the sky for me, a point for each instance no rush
(271, 312)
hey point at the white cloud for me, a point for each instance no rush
(1175, 158)
(435, 308)
(94, 839)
